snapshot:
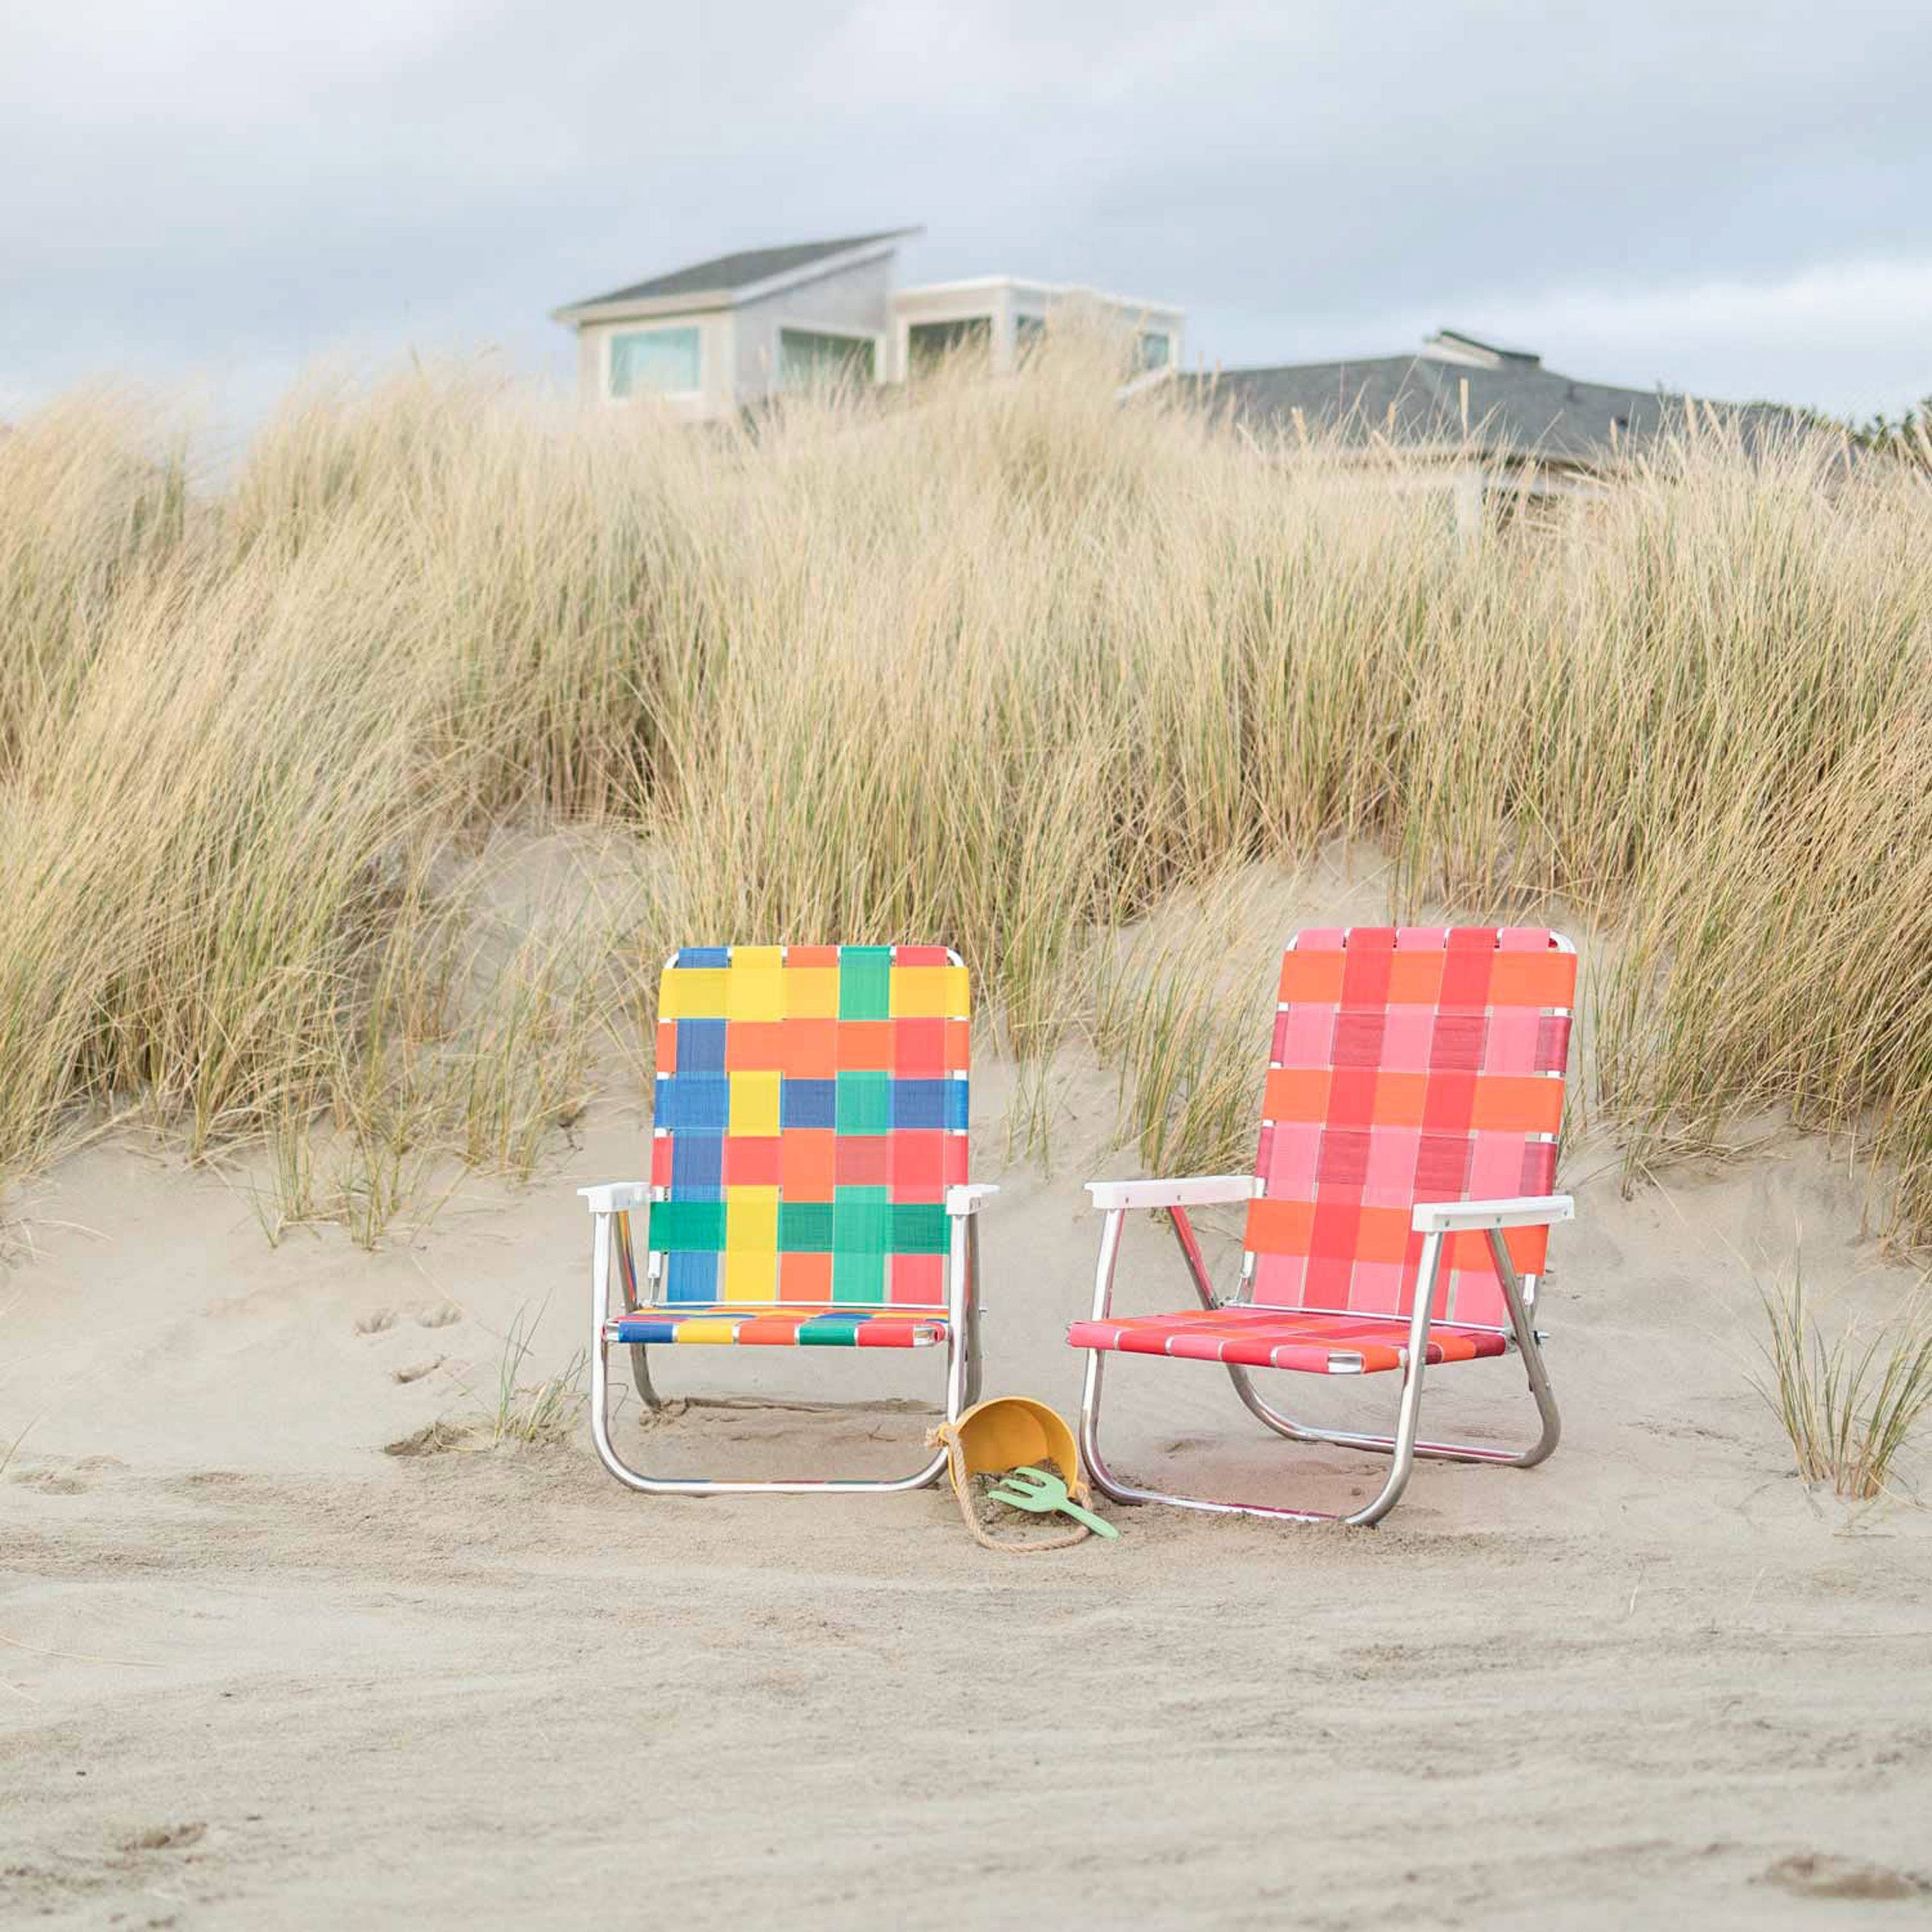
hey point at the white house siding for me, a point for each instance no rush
(1003, 300)
(717, 359)
(853, 301)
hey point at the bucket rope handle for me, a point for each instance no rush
(948, 1433)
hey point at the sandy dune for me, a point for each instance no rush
(257, 1672)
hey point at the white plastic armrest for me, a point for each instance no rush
(1203, 1190)
(612, 1197)
(1529, 1210)
(969, 1199)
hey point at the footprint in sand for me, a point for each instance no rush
(1818, 1875)
(416, 1371)
(53, 1482)
(425, 1314)
(166, 1838)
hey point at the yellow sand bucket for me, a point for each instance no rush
(1010, 1432)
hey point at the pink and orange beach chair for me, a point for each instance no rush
(1399, 1209)
(808, 1180)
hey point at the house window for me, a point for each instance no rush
(811, 360)
(659, 362)
(929, 343)
(1152, 350)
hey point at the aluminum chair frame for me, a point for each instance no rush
(612, 1202)
(611, 1263)
(613, 1269)
(1434, 1221)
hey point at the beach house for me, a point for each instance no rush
(722, 335)
(1485, 422)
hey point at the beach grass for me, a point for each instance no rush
(1008, 666)
(529, 1413)
(1848, 1405)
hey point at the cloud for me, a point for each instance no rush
(1742, 340)
(203, 185)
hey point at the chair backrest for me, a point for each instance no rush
(1409, 1064)
(811, 1114)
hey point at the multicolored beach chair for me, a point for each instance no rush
(1399, 1209)
(807, 1188)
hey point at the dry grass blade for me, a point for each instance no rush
(998, 665)
(548, 1410)
(1848, 1408)
(527, 1413)
(1181, 1010)
(80, 1656)
(9, 1449)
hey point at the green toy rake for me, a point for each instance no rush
(1040, 1494)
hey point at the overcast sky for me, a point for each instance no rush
(1731, 198)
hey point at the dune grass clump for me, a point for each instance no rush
(1182, 1010)
(1850, 1404)
(1005, 665)
(517, 1412)
(532, 1414)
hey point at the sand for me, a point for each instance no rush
(256, 1671)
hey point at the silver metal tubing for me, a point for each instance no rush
(627, 1286)
(1266, 1413)
(962, 1306)
(1089, 1385)
(1124, 1491)
(974, 1358)
(1190, 1253)
(1528, 1345)
(957, 1374)
(1374, 1445)
(1403, 1446)
(640, 1374)
(641, 1369)
(1408, 1410)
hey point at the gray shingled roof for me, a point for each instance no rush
(723, 273)
(1516, 406)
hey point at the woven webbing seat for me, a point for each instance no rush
(809, 1170)
(1268, 1338)
(1398, 1215)
(786, 1328)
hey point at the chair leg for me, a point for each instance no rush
(1121, 1491)
(1527, 1346)
(959, 1347)
(1538, 1451)
(640, 1374)
(625, 1268)
(1297, 1431)
(1403, 1446)
(975, 1359)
